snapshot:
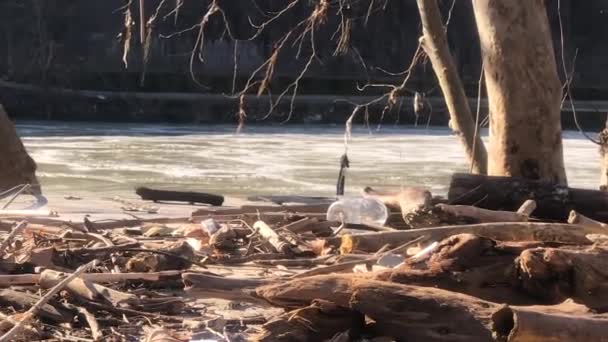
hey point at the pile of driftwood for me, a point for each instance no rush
(525, 261)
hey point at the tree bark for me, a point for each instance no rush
(554, 202)
(502, 231)
(524, 90)
(434, 42)
(603, 140)
(16, 166)
(414, 313)
(319, 321)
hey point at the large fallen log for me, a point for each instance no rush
(503, 231)
(553, 201)
(521, 274)
(564, 322)
(413, 313)
(472, 265)
(179, 196)
(558, 274)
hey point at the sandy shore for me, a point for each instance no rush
(100, 207)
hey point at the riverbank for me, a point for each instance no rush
(280, 273)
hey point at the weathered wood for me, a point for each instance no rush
(23, 301)
(348, 265)
(527, 208)
(414, 313)
(179, 196)
(319, 321)
(554, 202)
(523, 88)
(483, 215)
(7, 280)
(408, 313)
(29, 314)
(558, 274)
(469, 264)
(87, 290)
(552, 324)
(582, 220)
(435, 44)
(503, 231)
(213, 286)
(603, 141)
(303, 209)
(16, 231)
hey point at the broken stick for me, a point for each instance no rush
(34, 309)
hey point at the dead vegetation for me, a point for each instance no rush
(282, 272)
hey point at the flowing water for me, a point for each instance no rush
(112, 159)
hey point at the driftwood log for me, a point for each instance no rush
(582, 220)
(557, 274)
(554, 202)
(472, 265)
(483, 215)
(413, 313)
(7, 280)
(503, 231)
(179, 196)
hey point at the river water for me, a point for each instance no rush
(112, 159)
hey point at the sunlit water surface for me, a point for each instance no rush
(112, 159)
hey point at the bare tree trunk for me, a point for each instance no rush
(524, 90)
(434, 43)
(603, 138)
(16, 166)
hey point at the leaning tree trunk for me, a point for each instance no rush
(435, 44)
(524, 89)
(16, 166)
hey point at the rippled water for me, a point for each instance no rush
(77, 158)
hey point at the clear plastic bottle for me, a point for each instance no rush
(358, 210)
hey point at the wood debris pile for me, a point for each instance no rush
(506, 269)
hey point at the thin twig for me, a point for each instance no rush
(569, 76)
(23, 188)
(479, 85)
